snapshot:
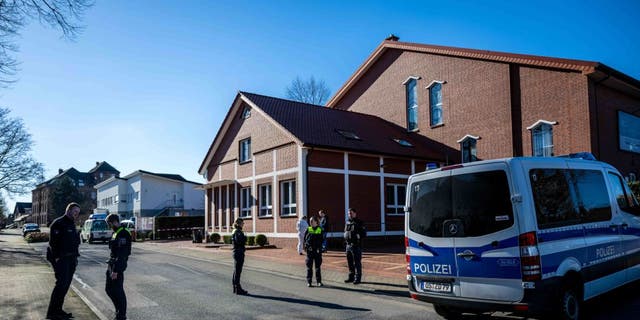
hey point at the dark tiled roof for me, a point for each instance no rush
(21, 206)
(103, 166)
(318, 126)
(176, 177)
(71, 173)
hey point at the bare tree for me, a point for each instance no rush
(19, 172)
(15, 14)
(308, 91)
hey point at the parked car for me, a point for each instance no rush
(95, 230)
(525, 235)
(30, 227)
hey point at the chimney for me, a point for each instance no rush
(97, 163)
(60, 171)
(392, 37)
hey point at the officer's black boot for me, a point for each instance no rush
(235, 289)
(350, 279)
(240, 291)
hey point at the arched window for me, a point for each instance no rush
(411, 86)
(468, 148)
(435, 103)
(542, 138)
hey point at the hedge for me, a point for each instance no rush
(261, 240)
(214, 237)
(37, 237)
(226, 239)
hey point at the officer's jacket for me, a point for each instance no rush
(239, 240)
(313, 239)
(354, 232)
(120, 245)
(64, 239)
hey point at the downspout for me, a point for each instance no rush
(306, 172)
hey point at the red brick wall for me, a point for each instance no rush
(472, 88)
(326, 192)
(364, 193)
(364, 163)
(326, 159)
(556, 96)
(398, 166)
(604, 129)
(264, 162)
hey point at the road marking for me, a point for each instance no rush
(86, 301)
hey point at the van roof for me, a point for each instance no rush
(520, 159)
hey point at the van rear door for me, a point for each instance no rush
(486, 233)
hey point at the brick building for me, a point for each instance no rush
(407, 106)
(42, 196)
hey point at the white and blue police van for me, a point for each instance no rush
(533, 236)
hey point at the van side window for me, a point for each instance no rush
(625, 199)
(567, 197)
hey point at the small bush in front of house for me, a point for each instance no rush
(226, 239)
(251, 240)
(37, 237)
(214, 237)
(261, 239)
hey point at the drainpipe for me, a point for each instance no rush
(306, 169)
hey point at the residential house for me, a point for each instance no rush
(22, 213)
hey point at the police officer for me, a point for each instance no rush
(239, 240)
(120, 246)
(63, 253)
(354, 233)
(313, 245)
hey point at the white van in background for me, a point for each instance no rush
(523, 235)
(95, 230)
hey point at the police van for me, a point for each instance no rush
(524, 235)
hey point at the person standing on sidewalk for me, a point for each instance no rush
(120, 246)
(239, 240)
(313, 245)
(354, 233)
(324, 224)
(301, 227)
(63, 253)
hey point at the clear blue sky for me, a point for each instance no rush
(147, 85)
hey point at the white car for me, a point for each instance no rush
(95, 230)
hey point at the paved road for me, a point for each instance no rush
(165, 285)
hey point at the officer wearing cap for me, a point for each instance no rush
(63, 254)
(120, 246)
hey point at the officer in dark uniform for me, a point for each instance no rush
(313, 245)
(120, 245)
(62, 252)
(354, 233)
(239, 240)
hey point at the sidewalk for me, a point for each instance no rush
(383, 272)
(27, 281)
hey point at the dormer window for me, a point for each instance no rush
(246, 112)
(348, 134)
(468, 148)
(411, 87)
(435, 103)
(542, 138)
(403, 142)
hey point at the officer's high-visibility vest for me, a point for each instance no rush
(115, 234)
(317, 230)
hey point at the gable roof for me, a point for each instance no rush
(71, 173)
(103, 166)
(583, 66)
(169, 176)
(21, 207)
(317, 126)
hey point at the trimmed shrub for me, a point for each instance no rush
(226, 239)
(261, 239)
(251, 240)
(215, 237)
(37, 237)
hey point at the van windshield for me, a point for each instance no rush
(478, 203)
(99, 225)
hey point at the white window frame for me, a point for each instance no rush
(246, 113)
(266, 210)
(433, 105)
(241, 154)
(245, 202)
(474, 148)
(538, 131)
(414, 107)
(288, 186)
(398, 210)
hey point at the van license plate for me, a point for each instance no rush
(436, 286)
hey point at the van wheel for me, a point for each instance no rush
(570, 303)
(447, 312)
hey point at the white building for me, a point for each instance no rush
(148, 194)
